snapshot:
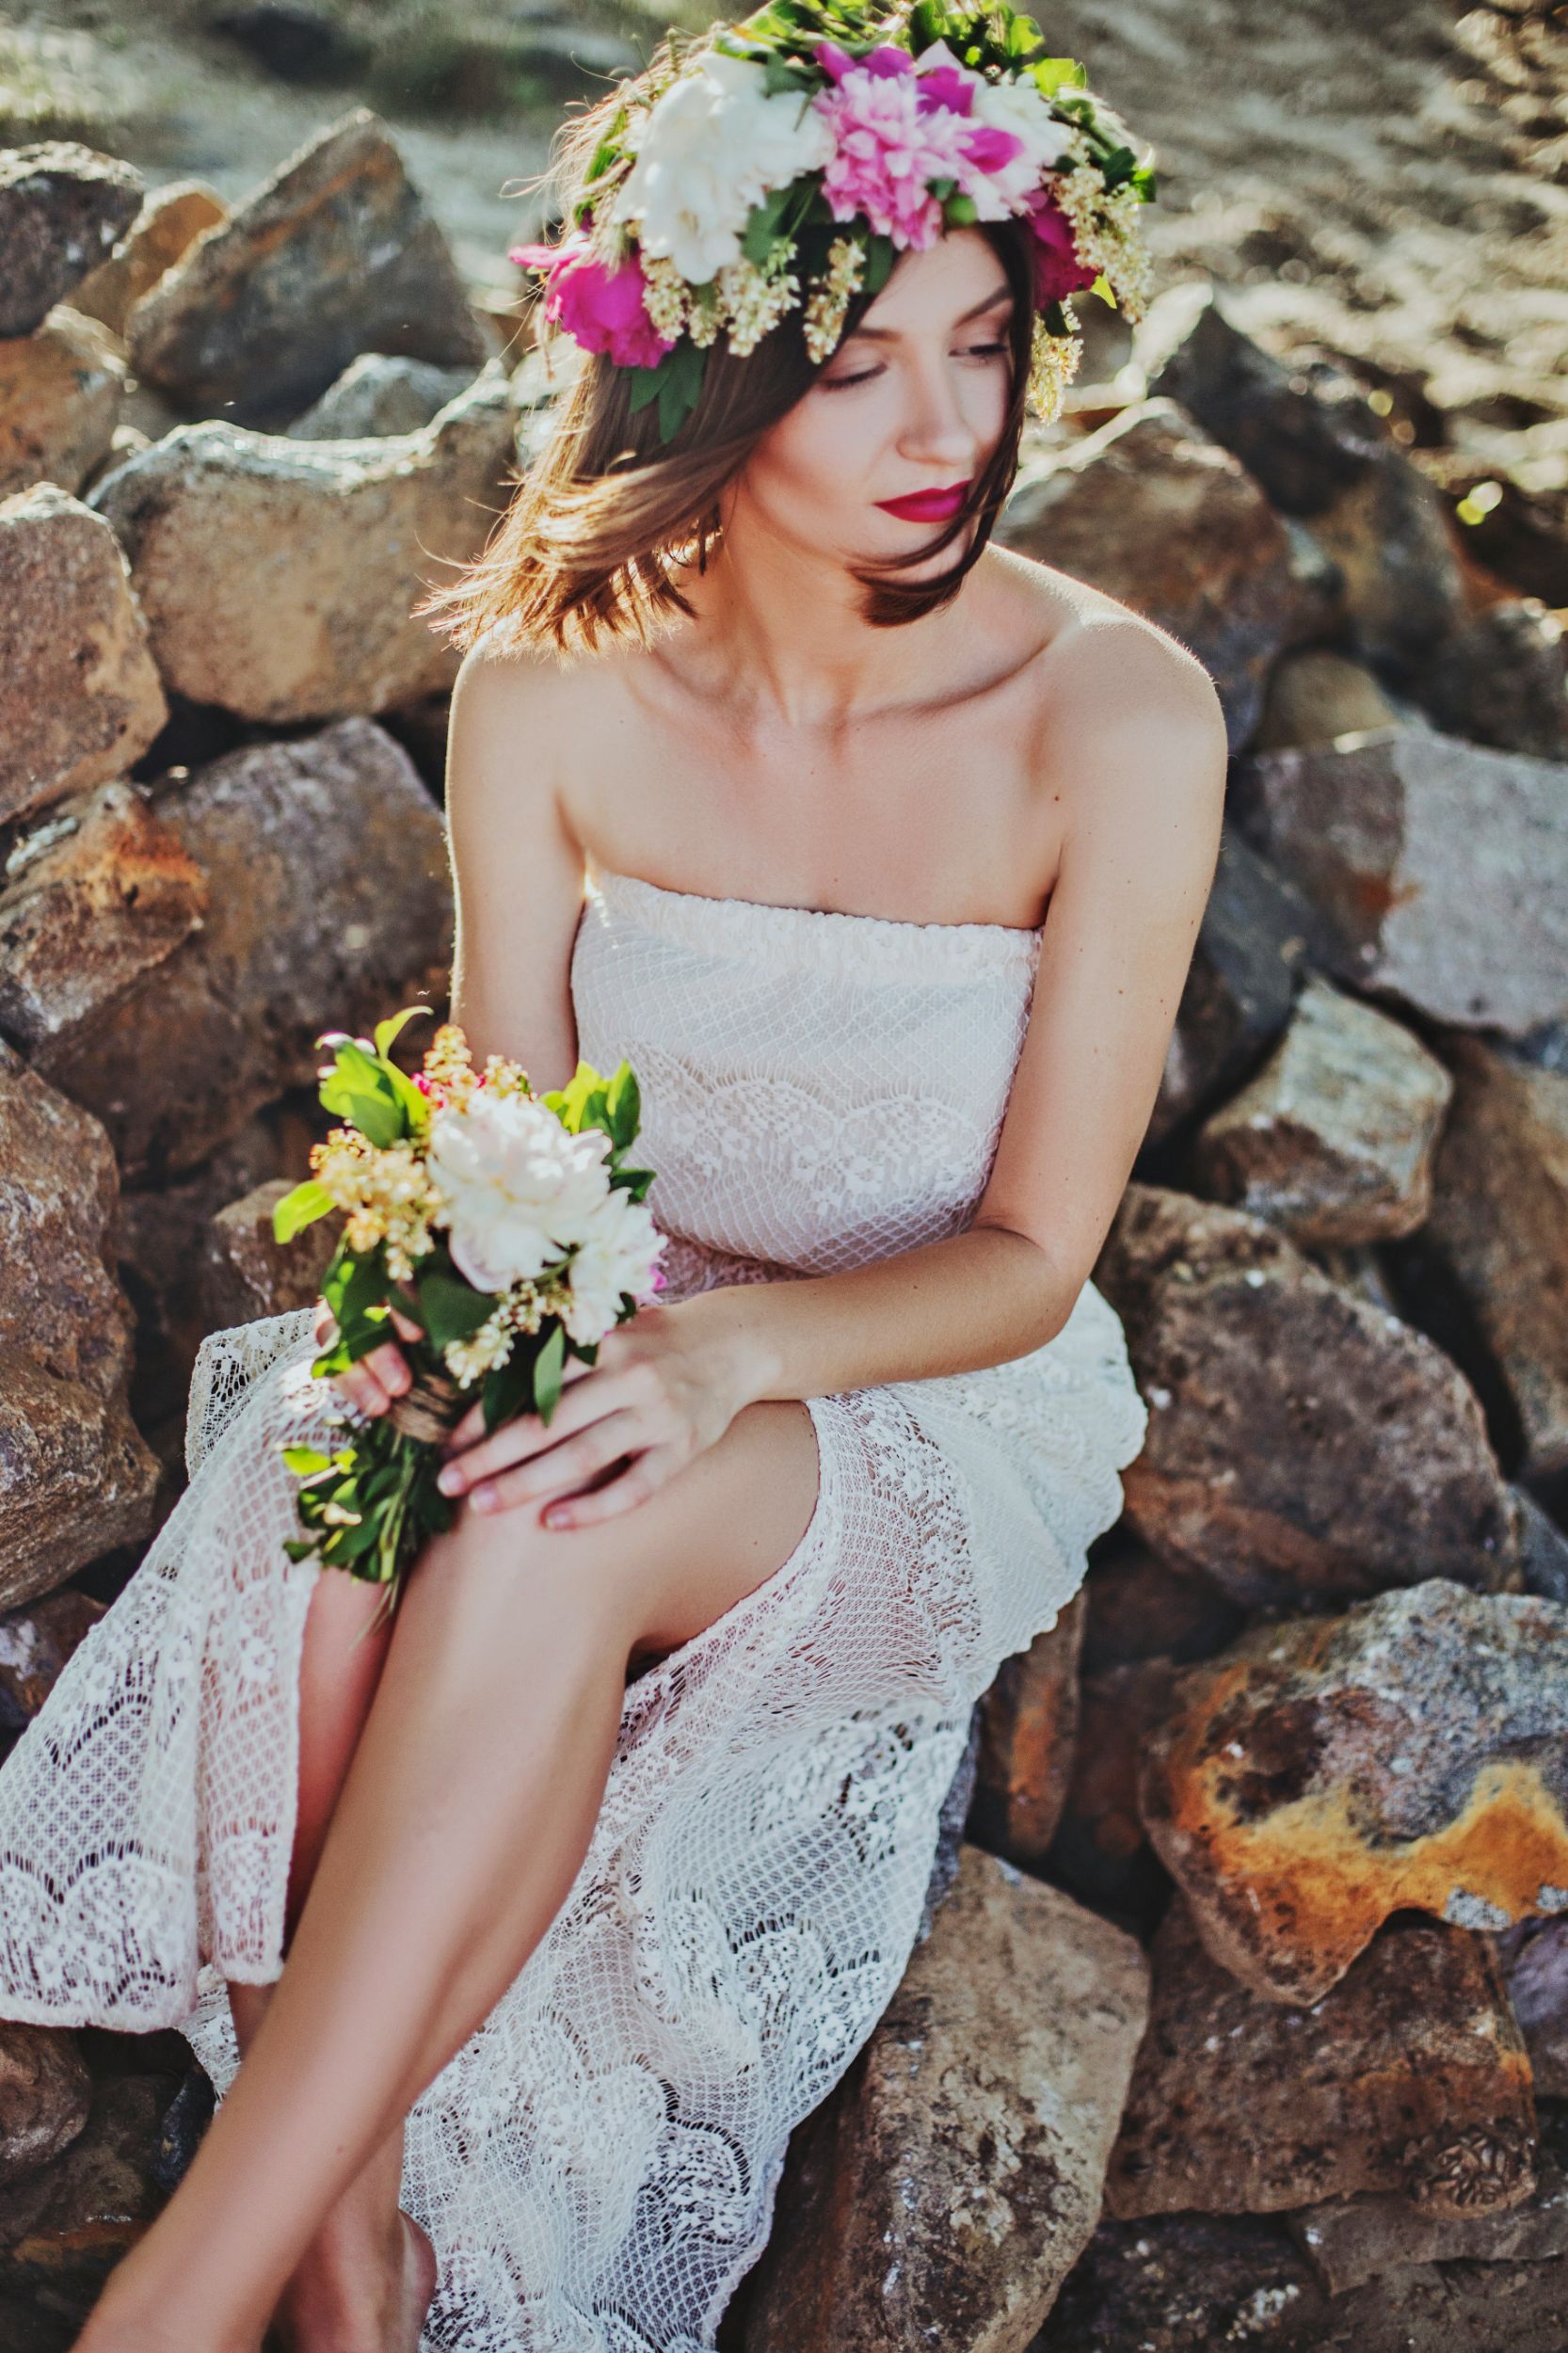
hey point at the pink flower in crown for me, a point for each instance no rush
(900, 122)
(1058, 270)
(599, 307)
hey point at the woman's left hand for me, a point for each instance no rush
(660, 1393)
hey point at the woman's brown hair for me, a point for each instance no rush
(599, 527)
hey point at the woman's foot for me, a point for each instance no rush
(332, 2306)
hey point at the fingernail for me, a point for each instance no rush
(449, 1481)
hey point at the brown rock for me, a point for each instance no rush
(45, 2092)
(1348, 2241)
(1499, 1229)
(60, 390)
(1141, 1607)
(75, 1477)
(168, 225)
(330, 907)
(61, 208)
(247, 1273)
(1316, 695)
(1410, 2074)
(1302, 1441)
(1332, 1140)
(97, 896)
(1322, 1774)
(1502, 678)
(1439, 868)
(1155, 513)
(343, 540)
(1101, 1851)
(1190, 2284)
(1534, 1957)
(79, 697)
(332, 256)
(64, 2228)
(947, 2186)
(1029, 1728)
(35, 1644)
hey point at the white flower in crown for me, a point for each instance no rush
(713, 147)
(1017, 107)
(517, 1188)
(619, 1252)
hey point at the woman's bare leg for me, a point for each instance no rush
(465, 1814)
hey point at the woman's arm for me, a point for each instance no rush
(1140, 733)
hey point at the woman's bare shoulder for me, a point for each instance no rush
(1085, 637)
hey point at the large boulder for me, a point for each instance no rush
(1498, 1229)
(75, 1477)
(168, 225)
(34, 1643)
(1439, 868)
(333, 255)
(45, 2095)
(60, 394)
(1502, 678)
(1154, 512)
(376, 395)
(1332, 1139)
(63, 209)
(342, 539)
(331, 906)
(79, 697)
(1304, 1442)
(1321, 1775)
(1410, 2076)
(946, 2187)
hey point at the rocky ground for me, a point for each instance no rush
(1243, 2017)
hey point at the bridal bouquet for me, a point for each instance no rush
(505, 1223)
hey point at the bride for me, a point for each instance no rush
(597, 1867)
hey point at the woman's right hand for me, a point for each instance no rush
(377, 1377)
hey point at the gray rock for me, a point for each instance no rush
(1350, 2241)
(1439, 868)
(945, 2188)
(379, 396)
(1304, 1444)
(332, 256)
(168, 225)
(63, 209)
(1191, 2283)
(246, 1273)
(1315, 694)
(79, 697)
(1534, 1958)
(1332, 1140)
(1318, 1777)
(1154, 512)
(342, 539)
(1502, 678)
(331, 906)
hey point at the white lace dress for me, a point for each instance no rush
(597, 2166)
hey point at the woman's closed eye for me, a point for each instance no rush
(986, 352)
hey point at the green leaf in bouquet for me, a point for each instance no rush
(300, 1548)
(633, 1181)
(362, 1091)
(305, 1461)
(300, 1207)
(507, 1389)
(386, 1033)
(1050, 75)
(547, 1373)
(452, 1309)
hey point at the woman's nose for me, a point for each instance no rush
(936, 431)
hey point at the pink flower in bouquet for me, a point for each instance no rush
(899, 123)
(1058, 270)
(599, 307)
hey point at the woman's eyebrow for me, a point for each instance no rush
(890, 334)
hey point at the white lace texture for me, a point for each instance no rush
(597, 2166)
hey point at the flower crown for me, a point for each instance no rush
(783, 161)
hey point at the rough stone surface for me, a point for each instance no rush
(1316, 695)
(1141, 1607)
(60, 394)
(80, 700)
(1152, 511)
(64, 2228)
(1252, 950)
(1303, 429)
(332, 256)
(168, 225)
(1190, 2284)
(1534, 1956)
(34, 1643)
(943, 2192)
(45, 2092)
(1332, 1140)
(1410, 2074)
(75, 1477)
(1440, 869)
(93, 898)
(1322, 1774)
(330, 907)
(1503, 679)
(246, 1272)
(1304, 1442)
(1101, 1851)
(62, 207)
(376, 394)
(343, 540)
(1499, 1229)
(1029, 1729)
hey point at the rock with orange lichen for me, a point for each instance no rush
(1028, 1732)
(1322, 1774)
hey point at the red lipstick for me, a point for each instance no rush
(927, 506)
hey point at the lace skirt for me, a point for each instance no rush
(597, 2166)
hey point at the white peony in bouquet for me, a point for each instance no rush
(505, 1223)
